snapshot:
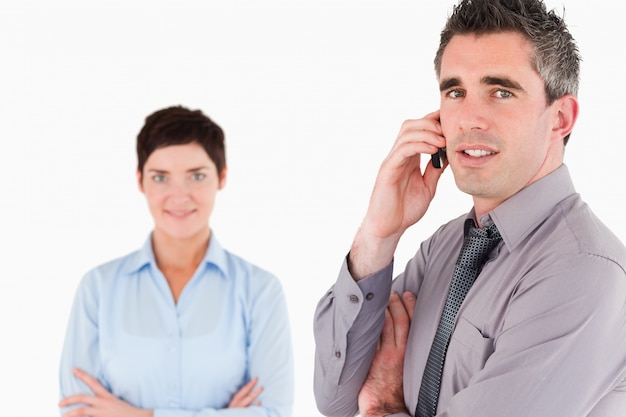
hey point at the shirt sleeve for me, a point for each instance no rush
(347, 325)
(81, 345)
(271, 349)
(561, 348)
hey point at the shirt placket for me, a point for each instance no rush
(173, 360)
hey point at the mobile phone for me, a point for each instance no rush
(439, 158)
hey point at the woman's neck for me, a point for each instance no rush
(178, 259)
(180, 253)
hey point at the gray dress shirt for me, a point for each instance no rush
(542, 331)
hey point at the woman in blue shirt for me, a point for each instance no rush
(180, 327)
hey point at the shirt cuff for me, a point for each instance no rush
(371, 293)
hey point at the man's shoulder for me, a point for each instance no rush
(588, 233)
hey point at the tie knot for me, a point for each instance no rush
(489, 232)
(478, 244)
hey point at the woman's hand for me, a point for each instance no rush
(247, 395)
(104, 404)
(101, 404)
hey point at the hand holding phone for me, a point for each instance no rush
(439, 158)
(402, 194)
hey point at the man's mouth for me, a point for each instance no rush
(477, 152)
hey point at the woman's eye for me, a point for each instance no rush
(158, 178)
(198, 176)
(503, 94)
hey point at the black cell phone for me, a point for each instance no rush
(439, 158)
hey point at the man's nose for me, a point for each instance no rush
(472, 114)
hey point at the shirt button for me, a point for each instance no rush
(369, 296)
(354, 299)
(338, 354)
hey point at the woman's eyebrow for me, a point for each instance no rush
(200, 168)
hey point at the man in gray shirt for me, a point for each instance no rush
(542, 330)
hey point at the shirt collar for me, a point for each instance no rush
(215, 255)
(519, 215)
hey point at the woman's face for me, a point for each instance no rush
(180, 183)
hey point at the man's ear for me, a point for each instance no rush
(222, 179)
(140, 181)
(566, 113)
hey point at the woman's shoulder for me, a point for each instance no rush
(116, 267)
(240, 266)
(249, 273)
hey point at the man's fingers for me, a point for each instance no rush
(413, 143)
(409, 303)
(387, 335)
(418, 136)
(429, 122)
(401, 320)
(432, 175)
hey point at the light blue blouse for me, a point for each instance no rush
(185, 359)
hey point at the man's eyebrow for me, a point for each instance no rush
(449, 82)
(502, 81)
(487, 80)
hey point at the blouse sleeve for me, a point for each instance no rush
(81, 345)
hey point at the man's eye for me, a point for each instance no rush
(455, 93)
(198, 176)
(158, 178)
(503, 94)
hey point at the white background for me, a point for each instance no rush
(310, 94)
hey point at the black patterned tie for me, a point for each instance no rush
(476, 247)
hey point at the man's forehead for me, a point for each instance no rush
(489, 54)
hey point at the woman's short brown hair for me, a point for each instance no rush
(178, 125)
